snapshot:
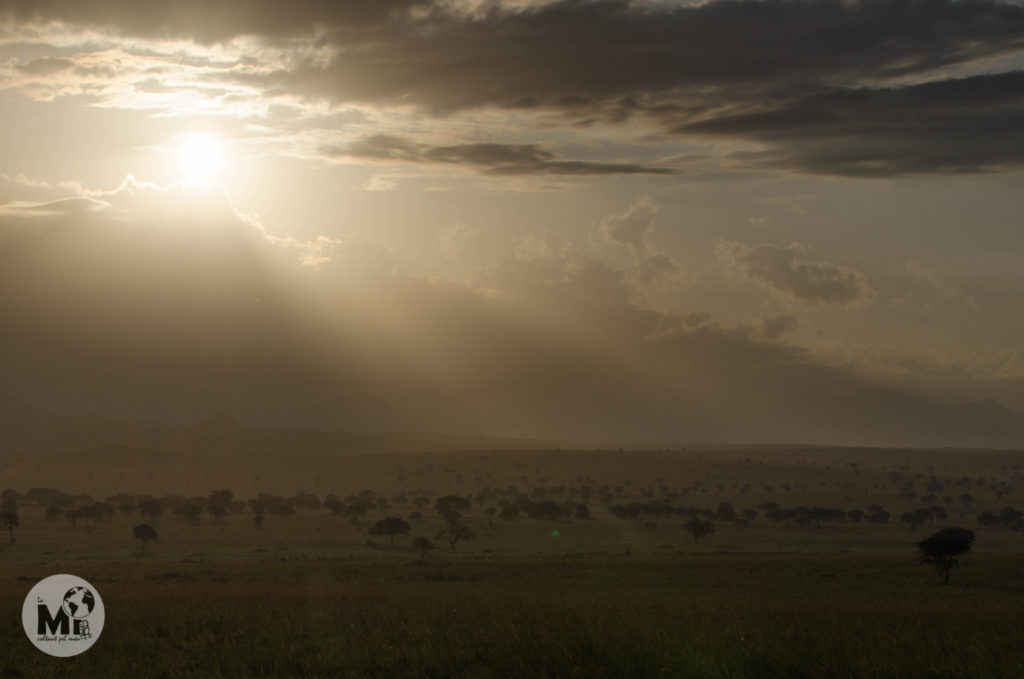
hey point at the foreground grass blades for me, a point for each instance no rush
(713, 615)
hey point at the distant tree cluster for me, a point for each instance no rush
(95, 511)
(354, 509)
(544, 510)
(1009, 517)
(924, 515)
(800, 515)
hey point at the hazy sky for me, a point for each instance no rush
(713, 220)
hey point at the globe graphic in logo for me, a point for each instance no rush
(78, 602)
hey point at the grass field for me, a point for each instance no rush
(711, 615)
(307, 596)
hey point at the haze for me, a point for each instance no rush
(770, 221)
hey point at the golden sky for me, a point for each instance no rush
(764, 220)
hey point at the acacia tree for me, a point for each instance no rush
(217, 504)
(914, 519)
(391, 527)
(698, 528)
(151, 508)
(189, 512)
(11, 521)
(941, 549)
(218, 511)
(145, 533)
(423, 545)
(257, 508)
(456, 531)
(450, 507)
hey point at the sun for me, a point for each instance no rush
(200, 157)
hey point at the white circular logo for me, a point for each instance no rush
(63, 615)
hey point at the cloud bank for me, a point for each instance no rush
(787, 271)
(870, 88)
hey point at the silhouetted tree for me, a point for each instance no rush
(275, 505)
(698, 528)
(221, 497)
(1011, 517)
(151, 508)
(217, 504)
(145, 533)
(456, 531)
(189, 512)
(450, 507)
(11, 521)
(877, 515)
(257, 508)
(915, 519)
(102, 510)
(127, 508)
(303, 500)
(218, 511)
(391, 527)
(53, 512)
(423, 545)
(47, 497)
(942, 548)
(89, 513)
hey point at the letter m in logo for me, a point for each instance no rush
(47, 622)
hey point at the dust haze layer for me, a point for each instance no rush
(170, 305)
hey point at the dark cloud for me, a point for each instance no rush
(213, 21)
(960, 125)
(788, 271)
(804, 78)
(490, 159)
(572, 53)
(615, 58)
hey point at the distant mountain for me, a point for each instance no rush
(29, 433)
(871, 417)
(889, 417)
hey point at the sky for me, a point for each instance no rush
(754, 220)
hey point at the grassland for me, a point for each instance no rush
(306, 596)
